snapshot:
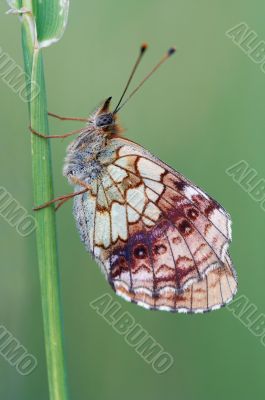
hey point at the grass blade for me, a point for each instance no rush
(48, 30)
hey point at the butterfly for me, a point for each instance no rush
(160, 241)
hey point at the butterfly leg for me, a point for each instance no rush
(61, 200)
(55, 136)
(19, 11)
(67, 118)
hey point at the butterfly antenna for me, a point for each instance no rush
(142, 51)
(163, 59)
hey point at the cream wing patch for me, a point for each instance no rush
(152, 212)
(128, 163)
(118, 222)
(133, 216)
(149, 169)
(128, 151)
(151, 195)
(156, 187)
(136, 198)
(102, 229)
(117, 174)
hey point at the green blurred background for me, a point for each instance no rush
(201, 113)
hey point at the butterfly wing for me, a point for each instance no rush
(161, 242)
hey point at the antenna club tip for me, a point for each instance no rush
(144, 47)
(171, 51)
(105, 106)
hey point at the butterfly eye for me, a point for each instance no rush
(140, 252)
(104, 119)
